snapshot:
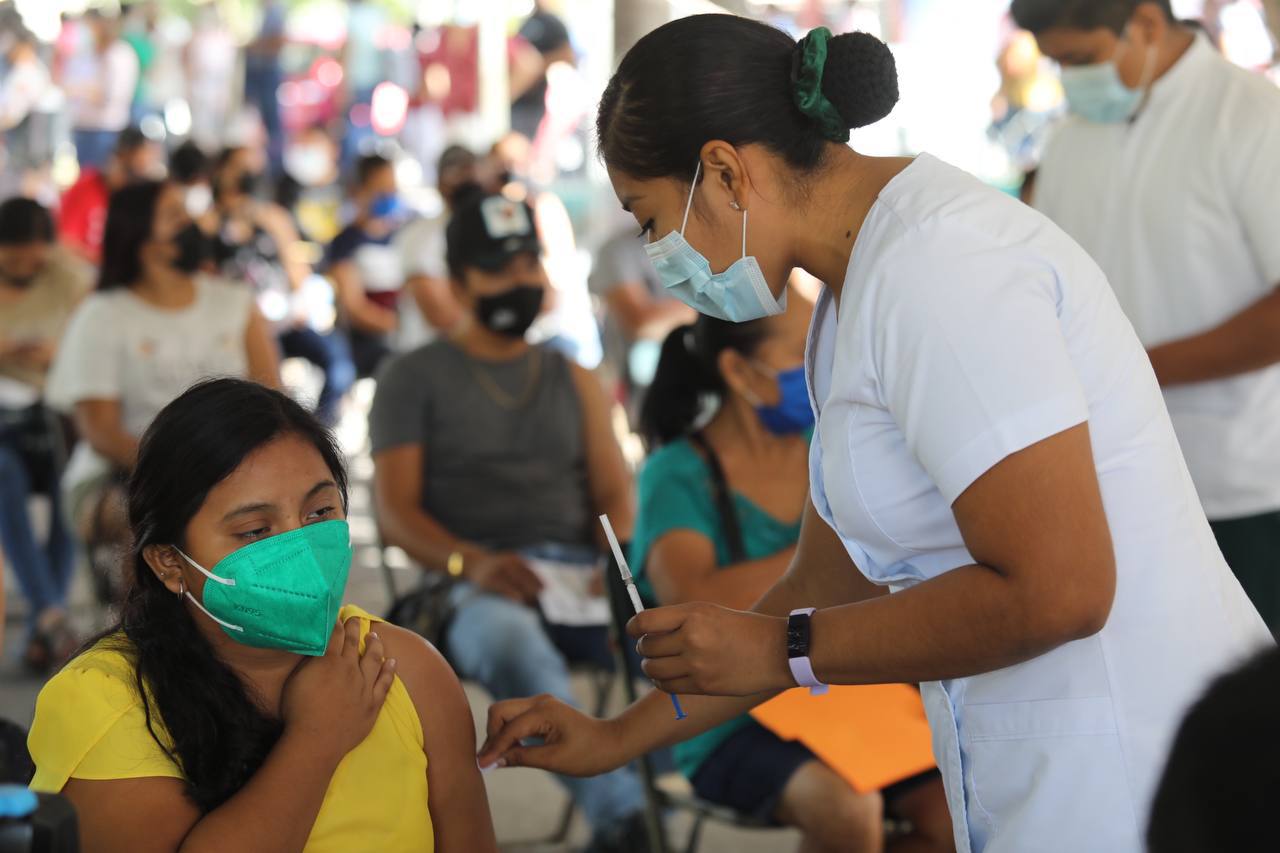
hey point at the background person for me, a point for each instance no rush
(489, 452)
(719, 517)
(434, 308)
(40, 286)
(1220, 784)
(256, 244)
(638, 312)
(82, 215)
(316, 726)
(1182, 216)
(366, 267)
(155, 325)
(102, 104)
(999, 508)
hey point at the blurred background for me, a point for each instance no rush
(284, 99)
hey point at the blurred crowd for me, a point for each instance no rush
(178, 206)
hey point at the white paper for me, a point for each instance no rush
(566, 598)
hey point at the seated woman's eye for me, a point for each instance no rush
(646, 229)
(252, 535)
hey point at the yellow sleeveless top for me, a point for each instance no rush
(89, 724)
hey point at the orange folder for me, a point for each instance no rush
(871, 735)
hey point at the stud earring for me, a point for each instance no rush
(735, 205)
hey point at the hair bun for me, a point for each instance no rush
(860, 78)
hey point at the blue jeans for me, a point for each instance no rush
(262, 79)
(44, 574)
(506, 648)
(331, 354)
(94, 147)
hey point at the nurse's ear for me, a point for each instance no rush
(1148, 25)
(726, 169)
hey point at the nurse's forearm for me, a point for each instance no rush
(1248, 341)
(967, 621)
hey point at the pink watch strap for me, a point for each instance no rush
(802, 667)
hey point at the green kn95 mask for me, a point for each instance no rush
(283, 592)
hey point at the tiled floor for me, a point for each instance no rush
(526, 804)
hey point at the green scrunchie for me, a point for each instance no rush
(806, 85)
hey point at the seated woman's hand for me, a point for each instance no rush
(572, 743)
(504, 574)
(334, 699)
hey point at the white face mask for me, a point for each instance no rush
(738, 294)
(309, 165)
(1096, 92)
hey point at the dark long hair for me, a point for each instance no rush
(708, 77)
(131, 215)
(689, 373)
(217, 733)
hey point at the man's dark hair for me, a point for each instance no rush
(188, 163)
(24, 221)
(130, 140)
(368, 166)
(1040, 15)
(1222, 781)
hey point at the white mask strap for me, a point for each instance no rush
(744, 232)
(211, 616)
(202, 570)
(689, 204)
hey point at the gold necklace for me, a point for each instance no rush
(499, 395)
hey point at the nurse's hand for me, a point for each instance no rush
(572, 744)
(706, 649)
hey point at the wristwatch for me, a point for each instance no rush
(455, 565)
(799, 634)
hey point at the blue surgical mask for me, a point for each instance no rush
(738, 294)
(793, 413)
(385, 206)
(1096, 92)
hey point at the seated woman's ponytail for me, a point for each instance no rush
(688, 377)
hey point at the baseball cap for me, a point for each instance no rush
(487, 230)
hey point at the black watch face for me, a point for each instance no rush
(798, 635)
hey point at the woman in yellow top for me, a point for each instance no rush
(235, 707)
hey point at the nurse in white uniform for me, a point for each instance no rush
(999, 506)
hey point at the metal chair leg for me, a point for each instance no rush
(695, 834)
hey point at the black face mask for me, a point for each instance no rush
(193, 248)
(248, 183)
(20, 282)
(511, 312)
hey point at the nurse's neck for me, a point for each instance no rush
(825, 226)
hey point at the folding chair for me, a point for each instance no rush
(658, 800)
(600, 679)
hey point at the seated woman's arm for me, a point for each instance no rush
(682, 568)
(260, 347)
(607, 476)
(364, 314)
(101, 424)
(457, 800)
(275, 220)
(436, 302)
(329, 705)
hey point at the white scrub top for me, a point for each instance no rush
(1181, 210)
(970, 327)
